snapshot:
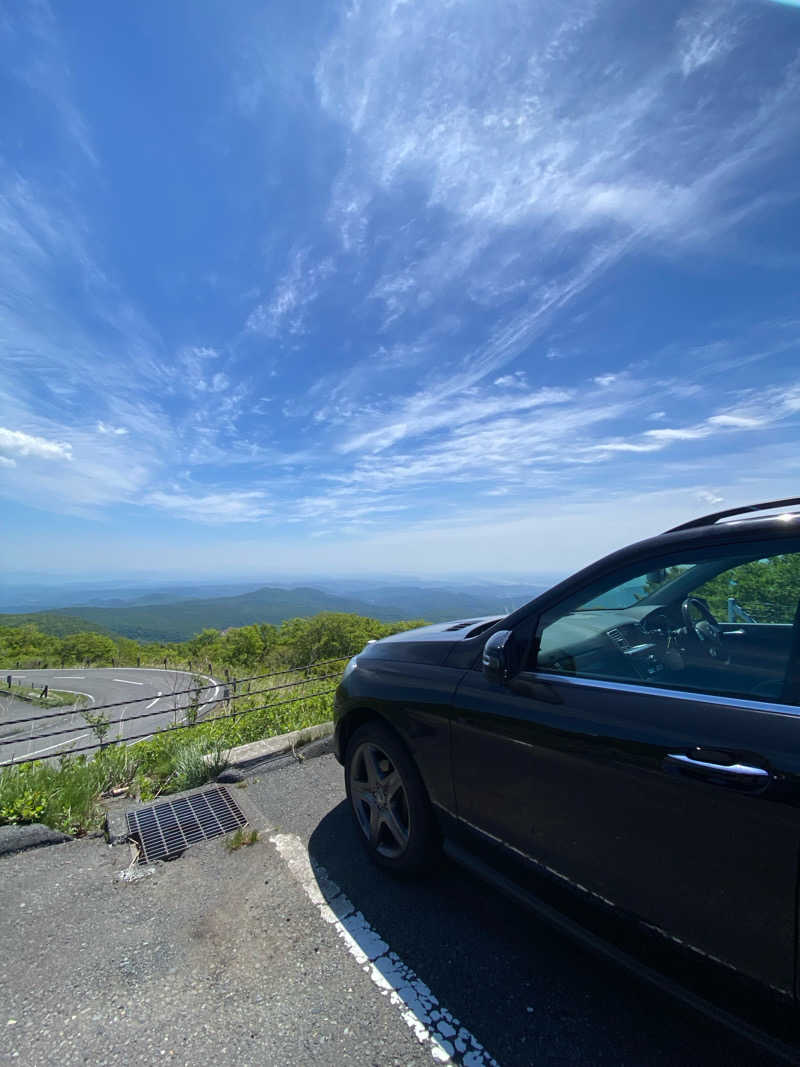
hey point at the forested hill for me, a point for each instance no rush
(55, 623)
(181, 620)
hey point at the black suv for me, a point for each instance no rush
(634, 734)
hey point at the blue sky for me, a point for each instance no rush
(392, 286)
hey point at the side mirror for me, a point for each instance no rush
(496, 662)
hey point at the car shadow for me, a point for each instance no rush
(526, 993)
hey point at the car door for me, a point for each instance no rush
(660, 786)
(756, 612)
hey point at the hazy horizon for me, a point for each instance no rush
(45, 593)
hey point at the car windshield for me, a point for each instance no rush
(636, 589)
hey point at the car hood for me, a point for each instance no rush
(428, 644)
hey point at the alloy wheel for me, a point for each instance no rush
(379, 799)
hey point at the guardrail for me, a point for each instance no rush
(189, 709)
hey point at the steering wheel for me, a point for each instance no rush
(706, 629)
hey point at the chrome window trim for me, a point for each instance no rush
(670, 694)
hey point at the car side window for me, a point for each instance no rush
(723, 622)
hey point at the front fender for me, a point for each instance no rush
(415, 700)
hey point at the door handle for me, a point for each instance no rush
(735, 770)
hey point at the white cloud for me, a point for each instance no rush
(422, 415)
(517, 380)
(743, 422)
(14, 443)
(44, 69)
(500, 127)
(624, 446)
(605, 379)
(284, 312)
(230, 506)
(114, 431)
(545, 139)
(708, 34)
(689, 433)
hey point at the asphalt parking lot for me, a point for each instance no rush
(224, 956)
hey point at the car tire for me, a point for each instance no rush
(388, 801)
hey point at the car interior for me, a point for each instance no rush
(666, 628)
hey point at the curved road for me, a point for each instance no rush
(135, 691)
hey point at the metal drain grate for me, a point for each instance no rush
(166, 829)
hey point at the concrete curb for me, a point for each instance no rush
(258, 751)
(245, 757)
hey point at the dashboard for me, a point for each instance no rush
(637, 643)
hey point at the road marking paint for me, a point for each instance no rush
(69, 678)
(126, 681)
(152, 702)
(69, 741)
(433, 1025)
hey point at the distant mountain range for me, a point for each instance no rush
(179, 620)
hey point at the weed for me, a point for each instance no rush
(194, 766)
(98, 723)
(245, 835)
(65, 794)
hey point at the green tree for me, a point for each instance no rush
(203, 645)
(242, 647)
(767, 589)
(88, 648)
(328, 635)
(26, 644)
(128, 650)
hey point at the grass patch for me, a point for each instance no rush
(56, 698)
(194, 765)
(67, 793)
(240, 838)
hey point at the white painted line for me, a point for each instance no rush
(126, 681)
(38, 751)
(70, 678)
(433, 1025)
(121, 717)
(152, 702)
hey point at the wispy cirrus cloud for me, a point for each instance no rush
(285, 310)
(551, 136)
(708, 33)
(416, 267)
(40, 63)
(115, 431)
(545, 447)
(425, 415)
(222, 507)
(758, 410)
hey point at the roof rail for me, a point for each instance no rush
(709, 520)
